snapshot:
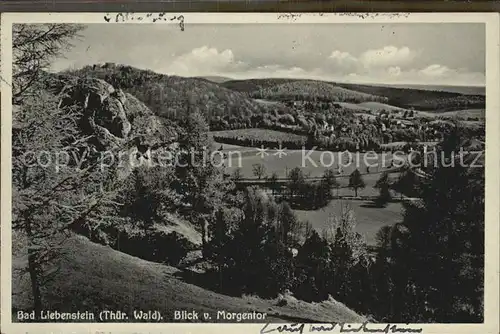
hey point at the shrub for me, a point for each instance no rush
(157, 246)
(151, 244)
(170, 248)
(384, 197)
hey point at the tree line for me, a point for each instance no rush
(427, 268)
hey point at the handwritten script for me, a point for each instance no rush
(150, 17)
(342, 327)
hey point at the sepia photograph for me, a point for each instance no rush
(279, 173)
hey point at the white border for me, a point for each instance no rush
(491, 21)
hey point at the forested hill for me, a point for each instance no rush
(252, 85)
(433, 99)
(314, 90)
(168, 96)
(420, 99)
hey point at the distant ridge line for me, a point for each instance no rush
(456, 89)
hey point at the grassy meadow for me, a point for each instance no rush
(369, 219)
(93, 277)
(259, 134)
(312, 167)
(465, 113)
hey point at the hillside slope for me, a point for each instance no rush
(419, 97)
(467, 90)
(215, 78)
(94, 277)
(251, 85)
(377, 106)
(169, 96)
(313, 90)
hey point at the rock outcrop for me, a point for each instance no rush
(115, 120)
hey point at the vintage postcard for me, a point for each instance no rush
(260, 173)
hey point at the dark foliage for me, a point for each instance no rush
(356, 181)
(150, 244)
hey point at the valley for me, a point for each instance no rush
(287, 226)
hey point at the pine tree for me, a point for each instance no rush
(324, 188)
(200, 183)
(356, 181)
(296, 182)
(348, 249)
(313, 269)
(329, 178)
(383, 184)
(273, 183)
(407, 183)
(438, 251)
(288, 226)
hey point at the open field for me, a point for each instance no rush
(353, 106)
(474, 124)
(94, 277)
(268, 102)
(377, 106)
(231, 148)
(311, 164)
(259, 134)
(479, 113)
(401, 144)
(369, 219)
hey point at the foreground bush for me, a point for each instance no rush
(151, 244)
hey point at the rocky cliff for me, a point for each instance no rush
(113, 120)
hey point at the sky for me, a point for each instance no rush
(409, 53)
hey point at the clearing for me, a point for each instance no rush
(352, 106)
(259, 134)
(312, 162)
(369, 219)
(465, 113)
(377, 106)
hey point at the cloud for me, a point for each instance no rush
(442, 73)
(273, 71)
(435, 70)
(387, 60)
(432, 74)
(394, 71)
(342, 62)
(204, 61)
(390, 65)
(387, 56)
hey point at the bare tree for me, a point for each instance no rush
(237, 174)
(259, 170)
